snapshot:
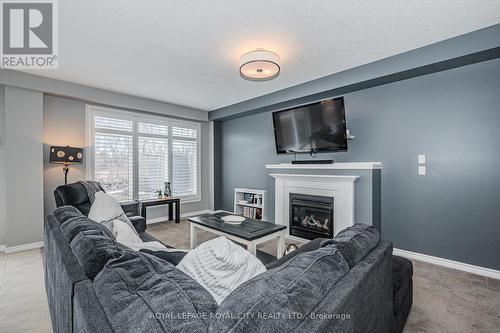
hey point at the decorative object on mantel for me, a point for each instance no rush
(290, 248)
(66, 155)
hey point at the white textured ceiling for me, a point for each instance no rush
(187, 52)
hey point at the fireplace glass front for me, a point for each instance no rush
(311, 216)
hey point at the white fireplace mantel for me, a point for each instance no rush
(332, 166)
(341, 188)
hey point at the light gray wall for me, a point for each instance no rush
(24, 166)
(2, 168)
(64, 124)
(97, 96)
(451, 116)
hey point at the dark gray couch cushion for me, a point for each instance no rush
(71, 227)
(93, 249)
(173, 257)
(66, 212)
(62, 271)
(141, 293)
(355, 242)
(295, 287)
(138, 222)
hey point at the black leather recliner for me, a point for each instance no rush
(75, 195)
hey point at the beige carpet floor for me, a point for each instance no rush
(445, 300)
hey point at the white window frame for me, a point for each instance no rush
(136, 117)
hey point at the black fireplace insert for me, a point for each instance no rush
(311, 216)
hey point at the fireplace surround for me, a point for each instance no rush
(355, 187)
(311, 216)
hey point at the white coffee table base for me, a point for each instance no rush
(251, 245)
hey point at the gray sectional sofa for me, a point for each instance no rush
(94, 284)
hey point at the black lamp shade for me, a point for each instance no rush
(66, 155)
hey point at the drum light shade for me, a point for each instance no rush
(259, 65)
(66, 155)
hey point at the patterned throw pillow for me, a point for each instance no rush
(220, 266)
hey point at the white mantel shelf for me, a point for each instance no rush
(333, 166)
(320, 178)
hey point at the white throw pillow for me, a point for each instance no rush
(123, 233)
(220, 266)
(106, 209)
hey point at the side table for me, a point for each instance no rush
(170, 202)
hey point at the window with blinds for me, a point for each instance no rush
(153, 166)
(133, 155)
(184, 175)
(113, 164)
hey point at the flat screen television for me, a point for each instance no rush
(313, 128)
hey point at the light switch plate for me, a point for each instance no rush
(421, 170)
(421, 159)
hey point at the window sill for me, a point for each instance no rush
(187, 200)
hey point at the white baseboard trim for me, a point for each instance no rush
(2, 248)
(23, 247)
(156, 220)
(183, 216)
(488, 272)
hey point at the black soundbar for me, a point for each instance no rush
(313, 162)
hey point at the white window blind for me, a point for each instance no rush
(153, 166)
(184, 165)
(113, 164)
(133, 155)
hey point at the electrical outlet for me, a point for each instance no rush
(421, 170)
(421, 159)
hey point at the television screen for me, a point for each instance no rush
(317, 127)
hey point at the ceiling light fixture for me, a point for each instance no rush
(259, 65)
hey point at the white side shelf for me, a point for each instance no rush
(333, 166)
(239, 194)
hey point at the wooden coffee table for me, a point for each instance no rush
(250, 232)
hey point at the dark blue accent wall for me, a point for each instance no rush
(453, 117)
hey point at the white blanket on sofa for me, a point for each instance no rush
(220, 266)
(107, 210)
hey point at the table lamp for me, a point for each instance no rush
(66, 155)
